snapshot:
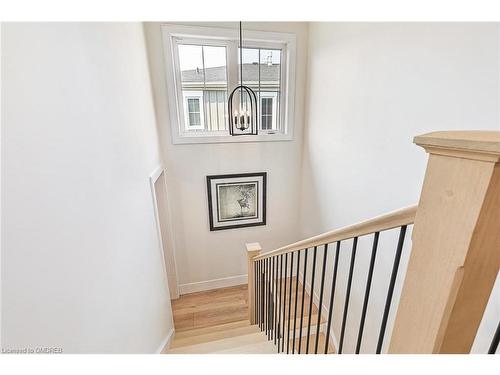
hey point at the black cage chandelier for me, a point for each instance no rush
(242, 105)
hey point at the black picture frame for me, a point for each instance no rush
(257, 178)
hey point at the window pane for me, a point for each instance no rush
(266, 122)
(193, 105)
(215, 90)
(191, 64)
(266, 113)
(215, 64)
(270, 68)
(262, 73)
(194, 119)
(270, 84)
(267, 106)
(250, 68)
(204, 71)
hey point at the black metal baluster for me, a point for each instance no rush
(303, 299)
(367, 291)
(289, 305)
(262, 295)
(258, 293)
(296, 300)
(332, 295)
(494, 342)
(320, 304)
(391, 288)
(276, 301)
(266, 291)
(271, 296)
(278, 332)
(348, 293)
(255, 299)
(268, 299)
(284, 308)
(273, 300)
(311, 297)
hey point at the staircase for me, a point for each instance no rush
(452, 268)
(232, 338)
(240, 337)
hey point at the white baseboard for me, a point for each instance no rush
(213, 284)
(165, 343)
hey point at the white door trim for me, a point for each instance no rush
(172, 267)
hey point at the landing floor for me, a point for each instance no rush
(210, 308)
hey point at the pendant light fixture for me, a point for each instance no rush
(242, 105)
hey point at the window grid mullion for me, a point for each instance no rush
(259, 105)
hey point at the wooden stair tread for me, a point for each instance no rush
(227, 302)
(265, 347)
(218, 345)
(305, 312)
(312, 343)
(305, 322)
(217, 328)
(208, 296)
(213, 336)
(314, 319)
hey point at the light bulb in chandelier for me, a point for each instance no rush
(242, 119)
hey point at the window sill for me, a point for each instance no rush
(193, 139)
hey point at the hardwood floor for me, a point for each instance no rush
(210, 308)
(216, 321)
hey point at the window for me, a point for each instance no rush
(268, 110)
(266, 113)
(203, 67)
(193, 110)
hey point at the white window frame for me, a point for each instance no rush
(193, 95)
(180, 34)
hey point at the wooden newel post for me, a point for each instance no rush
(253, 249)
(456, 245)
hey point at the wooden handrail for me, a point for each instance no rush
(394, 219)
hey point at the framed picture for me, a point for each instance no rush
(236, 200)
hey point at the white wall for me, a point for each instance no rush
(81, 267)
(370, 89)
(203, 256)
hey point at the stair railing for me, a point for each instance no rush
(454, 261)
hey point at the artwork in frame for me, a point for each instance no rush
(236, 200)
